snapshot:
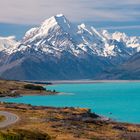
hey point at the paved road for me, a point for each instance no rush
(10, 119)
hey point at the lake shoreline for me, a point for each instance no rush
(65, 93)
(103, 118)
(68, 123)
(88, 81)
(10, 88)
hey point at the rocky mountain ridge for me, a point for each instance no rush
(58, 49)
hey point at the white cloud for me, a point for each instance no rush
(35, 11)
(120, 27)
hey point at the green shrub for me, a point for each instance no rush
(34, 87)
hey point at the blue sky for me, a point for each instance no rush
(17, 16)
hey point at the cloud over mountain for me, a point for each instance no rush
(34, 11)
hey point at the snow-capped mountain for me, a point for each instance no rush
(130, 42)
(57, 34)
(58, 49)
(8, 44)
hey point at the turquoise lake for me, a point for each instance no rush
(119, 101)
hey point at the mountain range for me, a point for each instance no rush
(60, 50)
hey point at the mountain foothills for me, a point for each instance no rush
(130, 70)
(58, 49)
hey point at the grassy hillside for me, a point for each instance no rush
(16, 88)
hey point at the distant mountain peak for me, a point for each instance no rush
(59, 19)
(60, 15)
(50, 25)
(8, 44)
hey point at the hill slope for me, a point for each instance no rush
(130, 70)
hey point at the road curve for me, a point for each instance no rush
(10, 119)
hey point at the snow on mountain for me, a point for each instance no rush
(129, 41)
(8, 44)
(58, 49)
(50, 25)
(57, 34)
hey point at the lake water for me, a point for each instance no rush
(119, 101)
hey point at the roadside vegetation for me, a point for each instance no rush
(50, 123)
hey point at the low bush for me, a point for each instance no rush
(24, 135)
(34, 87)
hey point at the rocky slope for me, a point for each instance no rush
(130, 70)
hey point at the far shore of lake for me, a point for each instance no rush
(82, 81)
